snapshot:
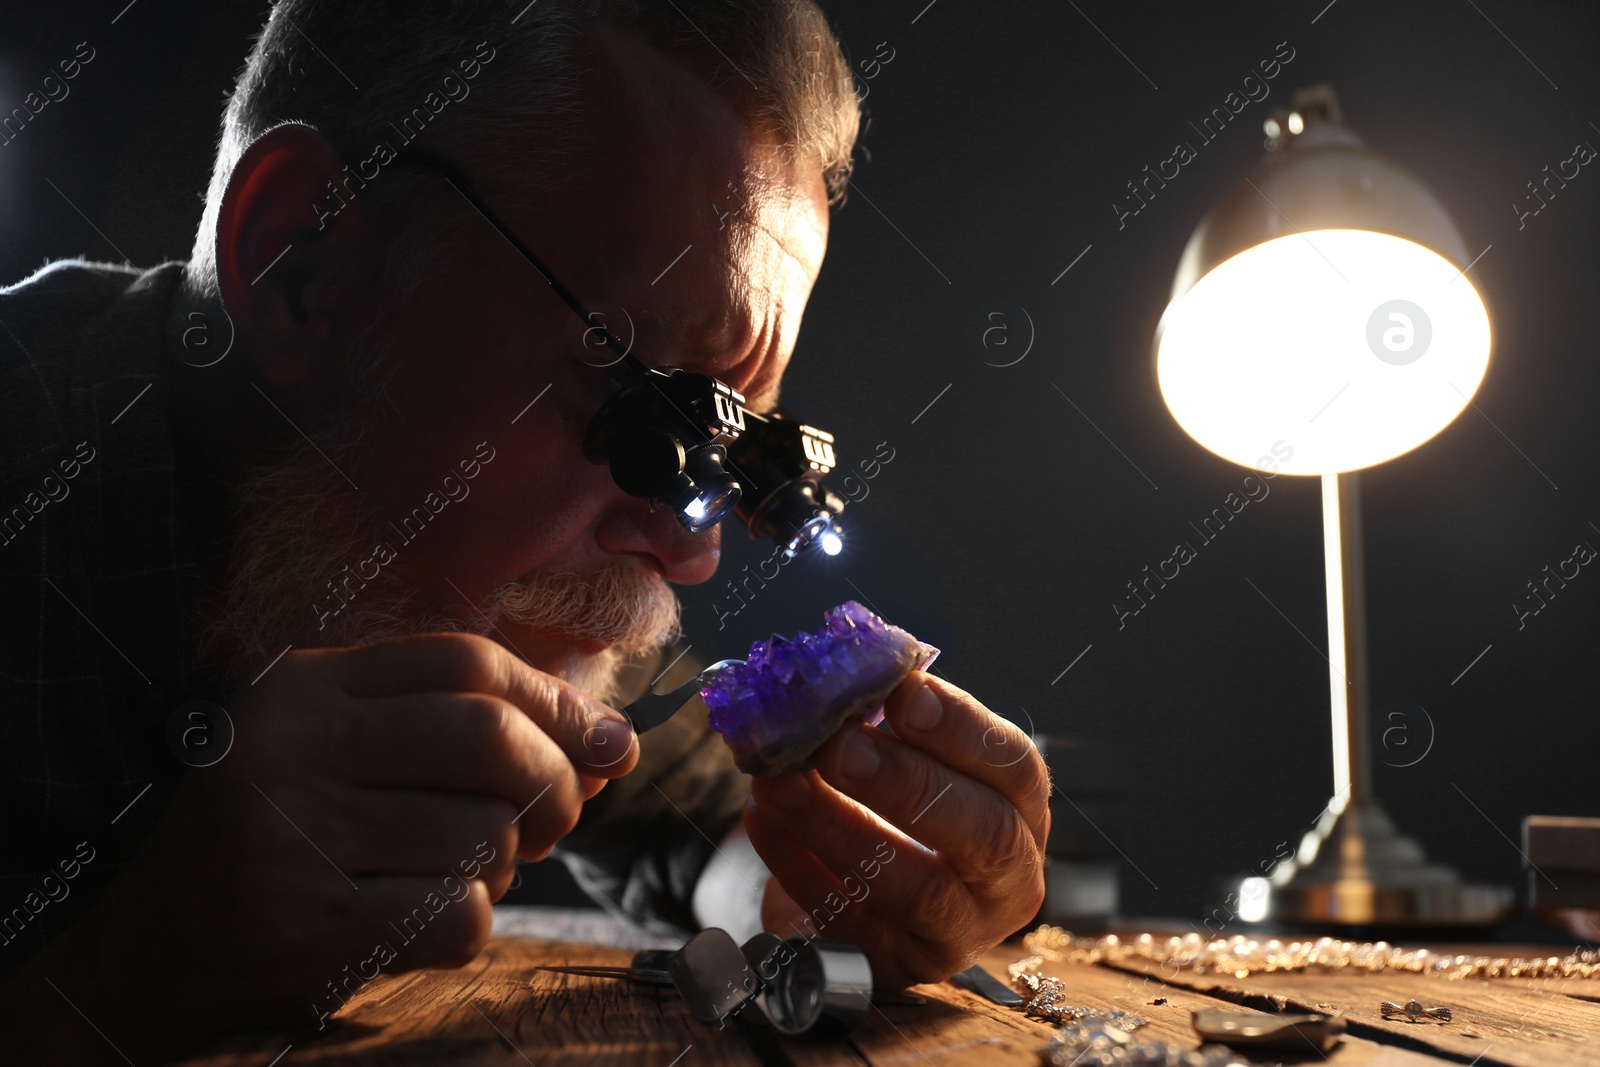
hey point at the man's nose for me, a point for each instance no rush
(629, 528)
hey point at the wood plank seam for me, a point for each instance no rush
(1278, 1003)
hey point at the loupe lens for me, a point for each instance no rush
(809, 531)
(794, 1001)
(796, 508)
(707, 491)
(824, 989)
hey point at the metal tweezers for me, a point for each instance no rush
(652, 709)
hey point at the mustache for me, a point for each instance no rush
(622, 604)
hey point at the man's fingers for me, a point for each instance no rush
(976, 830)
(460, 741)
(596, 738)
(954, 728)
(899, 957)
(386, 832)
(806, 879)
(866, 860)
(422, 922)
(422, 662)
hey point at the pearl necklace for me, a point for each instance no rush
(1241, 956)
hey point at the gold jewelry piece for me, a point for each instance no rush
(1413, 1011)
(1242, 956)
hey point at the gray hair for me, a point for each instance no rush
(370, 72)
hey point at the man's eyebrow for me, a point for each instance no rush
(683, 327)
(680, 336)
(696, 336)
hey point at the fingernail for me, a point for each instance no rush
(607, 741)
(925, 709)
(860, 756)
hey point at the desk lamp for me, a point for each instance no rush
(1325, 308)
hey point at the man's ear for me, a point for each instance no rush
(294, 250)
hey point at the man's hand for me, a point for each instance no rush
(373, 796)
(842, 840)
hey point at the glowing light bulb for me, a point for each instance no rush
(831, 542)
(1346, 348)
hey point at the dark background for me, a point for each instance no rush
(1008, 522)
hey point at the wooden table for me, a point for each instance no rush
(499, 1012)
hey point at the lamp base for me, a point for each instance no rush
(1355, 869)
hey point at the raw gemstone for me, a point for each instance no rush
(789, 696)
(781, 660)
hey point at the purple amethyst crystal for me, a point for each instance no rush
(778, 706)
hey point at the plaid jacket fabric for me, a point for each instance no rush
(109, 529)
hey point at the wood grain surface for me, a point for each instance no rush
(500, 1012)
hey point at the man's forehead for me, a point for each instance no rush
(664, 146)
(704, 229)
(710, 219)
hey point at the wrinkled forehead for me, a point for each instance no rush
(707, 229)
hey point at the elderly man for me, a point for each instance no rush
(329, 474)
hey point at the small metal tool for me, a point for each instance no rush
(1287, 1033)
(653, 709)
(977, 980)
(713, 976)
(653, 959)
(761, 952)
(710, 972)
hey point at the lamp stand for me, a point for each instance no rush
(1354, 868)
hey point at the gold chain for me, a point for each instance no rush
(1242, 956)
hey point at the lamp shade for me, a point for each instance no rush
(1324, 306)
